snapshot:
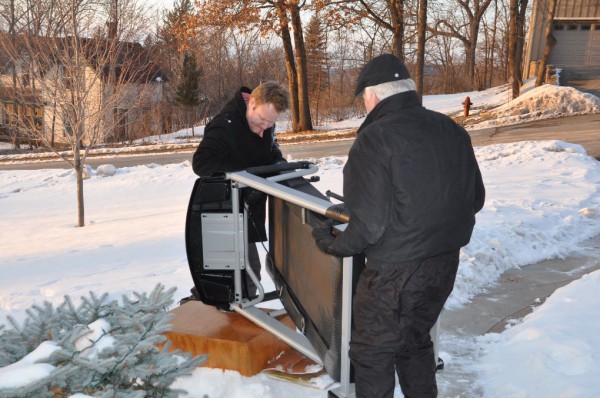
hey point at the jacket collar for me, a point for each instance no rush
(393, 104)
(241, 105)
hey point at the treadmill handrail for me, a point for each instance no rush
(278, 167)
(268, 186)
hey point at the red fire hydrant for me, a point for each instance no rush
(467, 104)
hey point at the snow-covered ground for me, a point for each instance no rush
(543, 201)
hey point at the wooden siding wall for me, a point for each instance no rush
(582, 11)
(577, 9)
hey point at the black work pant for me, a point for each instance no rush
(394, 309)
(254, 261)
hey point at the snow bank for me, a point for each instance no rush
(546, 101)
(553, 353)
(542, 201)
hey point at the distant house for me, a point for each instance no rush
(576, 27)
(119, 96)
(24, 102)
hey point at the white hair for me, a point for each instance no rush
(384, 90)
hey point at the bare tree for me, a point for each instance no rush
(490, 47)
(230, 59)
(421, 34)
(281, 17)
(12, 20)
(516, 38)
(342, 70)
(44, 17)
(448, 73)
(390, 15)
(550, 42)
(316, 53)
(465, 29)
(87, 86)
(228, 55)
(501, 56)
(304, 118)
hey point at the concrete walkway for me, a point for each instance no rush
(515, 295)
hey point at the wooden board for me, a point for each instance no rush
(230, 340)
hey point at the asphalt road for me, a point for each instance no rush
(584, 130)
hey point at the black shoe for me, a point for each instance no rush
(440, 364)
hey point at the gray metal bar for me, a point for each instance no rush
(298, 173)
(291, 195)
(259, 287)
(237, 269)
(346, 388)
(280, 330)
(276, 313)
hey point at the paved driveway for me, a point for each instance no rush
(582, 129)
(583, 79)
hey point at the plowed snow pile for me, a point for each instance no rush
(543, 102)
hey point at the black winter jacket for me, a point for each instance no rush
(412, 184)
(229, 145)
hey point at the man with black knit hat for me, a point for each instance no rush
(413, 187)
(240, 136)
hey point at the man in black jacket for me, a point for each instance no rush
(413, 187)
(242, 135)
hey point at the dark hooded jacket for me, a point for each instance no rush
(229, 145)
(412, 184)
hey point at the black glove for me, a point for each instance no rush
(252, 196)
(323, 238)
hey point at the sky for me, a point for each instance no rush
(543, 202)
(162, 4)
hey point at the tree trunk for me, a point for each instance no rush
(512, 48)
(77, 119)
(550, 43)
(520, 40)
(191, 121)
(397, 11)
(471, 52)
(318, 99)
(506, 49)
(79, 178)
(112, 72)
(290, 66)
(475, 22)
(14, 131)
(53, 124)
(486, 59)
(304, 119)
(421, 39)
(493, 43)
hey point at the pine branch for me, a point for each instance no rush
(123, 361)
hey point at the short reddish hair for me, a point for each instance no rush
(272, 93)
